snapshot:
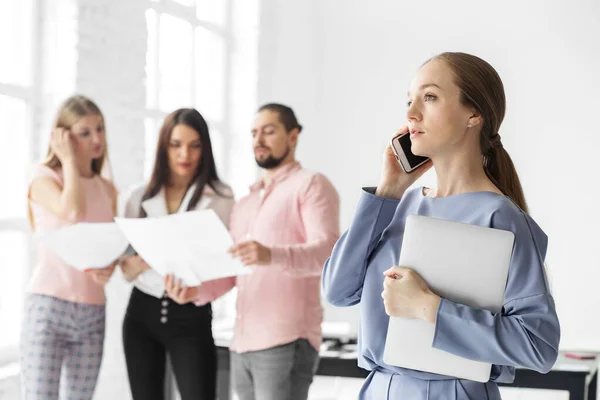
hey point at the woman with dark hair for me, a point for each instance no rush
(456, 104)
(184, 178)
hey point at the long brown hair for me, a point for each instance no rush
(71, 111)
(481, 88)
(206, 173)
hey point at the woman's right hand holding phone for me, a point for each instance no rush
(394, 181)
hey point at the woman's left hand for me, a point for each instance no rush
(406, 294)
(177, 292)
(101, 275)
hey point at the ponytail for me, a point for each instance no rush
(500, 169)
(482, 89)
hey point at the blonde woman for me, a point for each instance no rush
(63, 330)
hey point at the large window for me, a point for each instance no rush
(16, 105)
(186, 66)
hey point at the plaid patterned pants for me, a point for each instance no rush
(61, 348)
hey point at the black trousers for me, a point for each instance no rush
(154, 327)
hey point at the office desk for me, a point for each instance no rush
(578, 377)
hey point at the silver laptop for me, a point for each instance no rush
(467, 264)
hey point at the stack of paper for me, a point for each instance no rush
(86, 245)
(192, 245)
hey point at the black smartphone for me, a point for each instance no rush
(401, 145)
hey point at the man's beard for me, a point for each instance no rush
(272, 162)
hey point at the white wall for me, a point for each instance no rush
(345, 68)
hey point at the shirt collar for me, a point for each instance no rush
(279, 176)
(157, 205)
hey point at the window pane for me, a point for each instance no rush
(15, 264)
(212, 11)
(151, 59)
(175, 63)
(16, 23)
(210, 73)
(14, 156)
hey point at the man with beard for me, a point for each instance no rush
(284, 231)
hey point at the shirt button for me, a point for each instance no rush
(165, 303)
(163, 320)
(164, 311)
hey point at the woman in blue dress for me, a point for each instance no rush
(456, 104)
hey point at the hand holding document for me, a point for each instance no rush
(86, 245)
(192, 246)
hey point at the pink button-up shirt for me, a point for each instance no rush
(297, 217)
(52, 276)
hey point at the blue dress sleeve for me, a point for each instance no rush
(526, 333)
(344, 271)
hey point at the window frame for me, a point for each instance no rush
(187, 14)
(29, 94)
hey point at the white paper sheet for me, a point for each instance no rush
(192, 245)
(86, 245)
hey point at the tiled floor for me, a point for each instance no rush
(325, 388)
